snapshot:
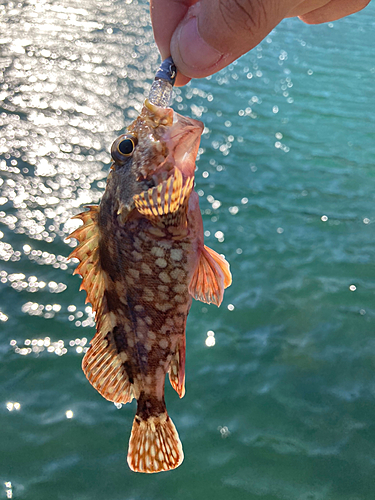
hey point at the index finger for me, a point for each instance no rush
(165, 17)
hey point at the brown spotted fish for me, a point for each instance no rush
(142, 259)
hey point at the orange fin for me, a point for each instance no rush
(166, 198)
(177, 369)
(210, 278)
(87, 252)
(223, 265)
(104, 365)
(89, 215)
(154, 445)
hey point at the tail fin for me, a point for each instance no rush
(154, 445)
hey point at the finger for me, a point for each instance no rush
(181, 79)
(333, 10)
(213, 33)
(165, 17)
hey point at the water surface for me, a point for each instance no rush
(280, 379)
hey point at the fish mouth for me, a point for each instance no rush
(183, 139)
(158, 114)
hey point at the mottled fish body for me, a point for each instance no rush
(142, 259)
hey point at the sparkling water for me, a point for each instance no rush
(280, 381)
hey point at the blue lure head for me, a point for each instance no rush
(161, 89)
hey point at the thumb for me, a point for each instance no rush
(214, 33)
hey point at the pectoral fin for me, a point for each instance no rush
(210, 278)
(167, 201)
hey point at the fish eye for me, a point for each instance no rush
(126, 146)
(123, 148)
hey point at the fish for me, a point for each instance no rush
(143, 259)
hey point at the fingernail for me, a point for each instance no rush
(195, 53)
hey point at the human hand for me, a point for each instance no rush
(204, 36)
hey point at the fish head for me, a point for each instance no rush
(156, 143)
(182, 139)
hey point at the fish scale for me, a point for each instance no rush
(142, 259)
(157, 307)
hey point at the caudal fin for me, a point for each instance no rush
(154, 445)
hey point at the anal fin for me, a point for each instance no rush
(177, 368)
(210, 278)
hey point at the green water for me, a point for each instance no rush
(282, 406)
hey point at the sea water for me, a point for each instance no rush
(280, 381)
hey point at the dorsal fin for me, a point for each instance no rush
(103, 364)
(166, 202)
(87, 252)
(210, 277)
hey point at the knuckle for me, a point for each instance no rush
(245, 15)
